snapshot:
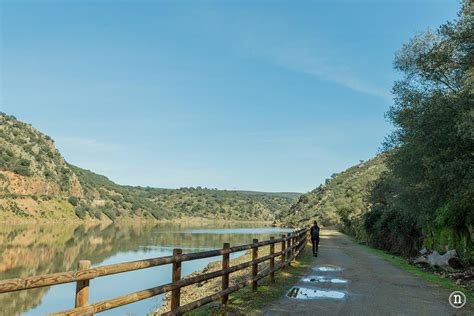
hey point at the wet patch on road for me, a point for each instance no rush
(307, 293)
(323, 279)
(327, 268)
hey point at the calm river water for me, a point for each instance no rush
(39, 249)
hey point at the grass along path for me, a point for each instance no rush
(426, 275)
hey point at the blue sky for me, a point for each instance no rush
(257, 95)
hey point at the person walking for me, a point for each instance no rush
(315, 238)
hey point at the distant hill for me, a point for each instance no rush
(290, 195)
(36, 182)
(341, 200)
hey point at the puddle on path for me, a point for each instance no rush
(305, 293)
(327, 268)
(323, 279)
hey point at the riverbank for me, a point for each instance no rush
(195, 221)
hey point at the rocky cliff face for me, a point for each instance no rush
(34, 178)
(30, 164)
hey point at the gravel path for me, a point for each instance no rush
(348, 280)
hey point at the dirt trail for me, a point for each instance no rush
(351, 281)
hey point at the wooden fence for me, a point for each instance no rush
(291, 246)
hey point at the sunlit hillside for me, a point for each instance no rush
(37, 183)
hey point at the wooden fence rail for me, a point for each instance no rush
(291, 246)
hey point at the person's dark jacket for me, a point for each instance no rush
(314, 232)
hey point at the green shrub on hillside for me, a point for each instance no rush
(73, 200)
(21, 170)
(110, 213)
(80, 212)
(8, 161)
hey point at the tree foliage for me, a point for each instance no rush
(431, 169)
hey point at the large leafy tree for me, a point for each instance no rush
(431, 165)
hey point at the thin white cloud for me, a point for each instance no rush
(316, 57)
(308, 61)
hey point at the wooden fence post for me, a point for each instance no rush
(225, 277)
(283, 249)
(306, 239)
(82, 287)
(272, 260)
(295, 242)
(298, 242)
(176, 276)
(303, 241)
(254, 265)
(288, 246)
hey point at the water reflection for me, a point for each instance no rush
(304, 293)
(327, 268)
(323, 279)
(40, 249)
